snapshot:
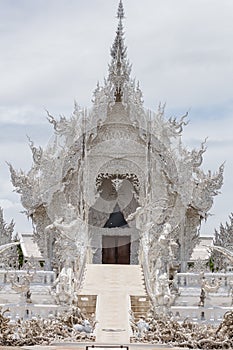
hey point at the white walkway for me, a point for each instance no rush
(113, 285)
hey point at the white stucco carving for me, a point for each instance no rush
(67, 192)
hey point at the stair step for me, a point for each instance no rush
(113, 285)
(140, 305)
(87, 303)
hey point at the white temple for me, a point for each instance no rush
(116, 202)
(116, 185)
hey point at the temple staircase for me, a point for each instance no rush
(119, 288)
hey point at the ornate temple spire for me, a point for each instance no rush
(118, 87)
(118, 50)
(119, 69)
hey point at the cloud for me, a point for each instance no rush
(14, 211)
(6, 204)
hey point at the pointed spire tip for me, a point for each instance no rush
(120, 12)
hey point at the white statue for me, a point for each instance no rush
(70, 231)
(160, 259)
(84, 327)
(142, 326)
(70, 227)
(65, 286)
(166, 244)
(144, 223)
(163, 295)
(142, 215)
(21, 284)
(72, 237)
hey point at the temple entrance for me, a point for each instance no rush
(116, 250)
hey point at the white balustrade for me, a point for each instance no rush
(29, 311)
(39, 277)
(191, 279)
(200, 314)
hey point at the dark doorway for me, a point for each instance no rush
(116, 219)
(116, 250)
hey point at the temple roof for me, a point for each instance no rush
(29, 246)
(201, 251)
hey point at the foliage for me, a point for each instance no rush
(211, 264)
(223, 238)
(6, 230)
(20, 256)
(8, 257)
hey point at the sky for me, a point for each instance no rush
(54, 51)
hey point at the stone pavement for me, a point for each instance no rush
(82, 346)
(113, 285)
